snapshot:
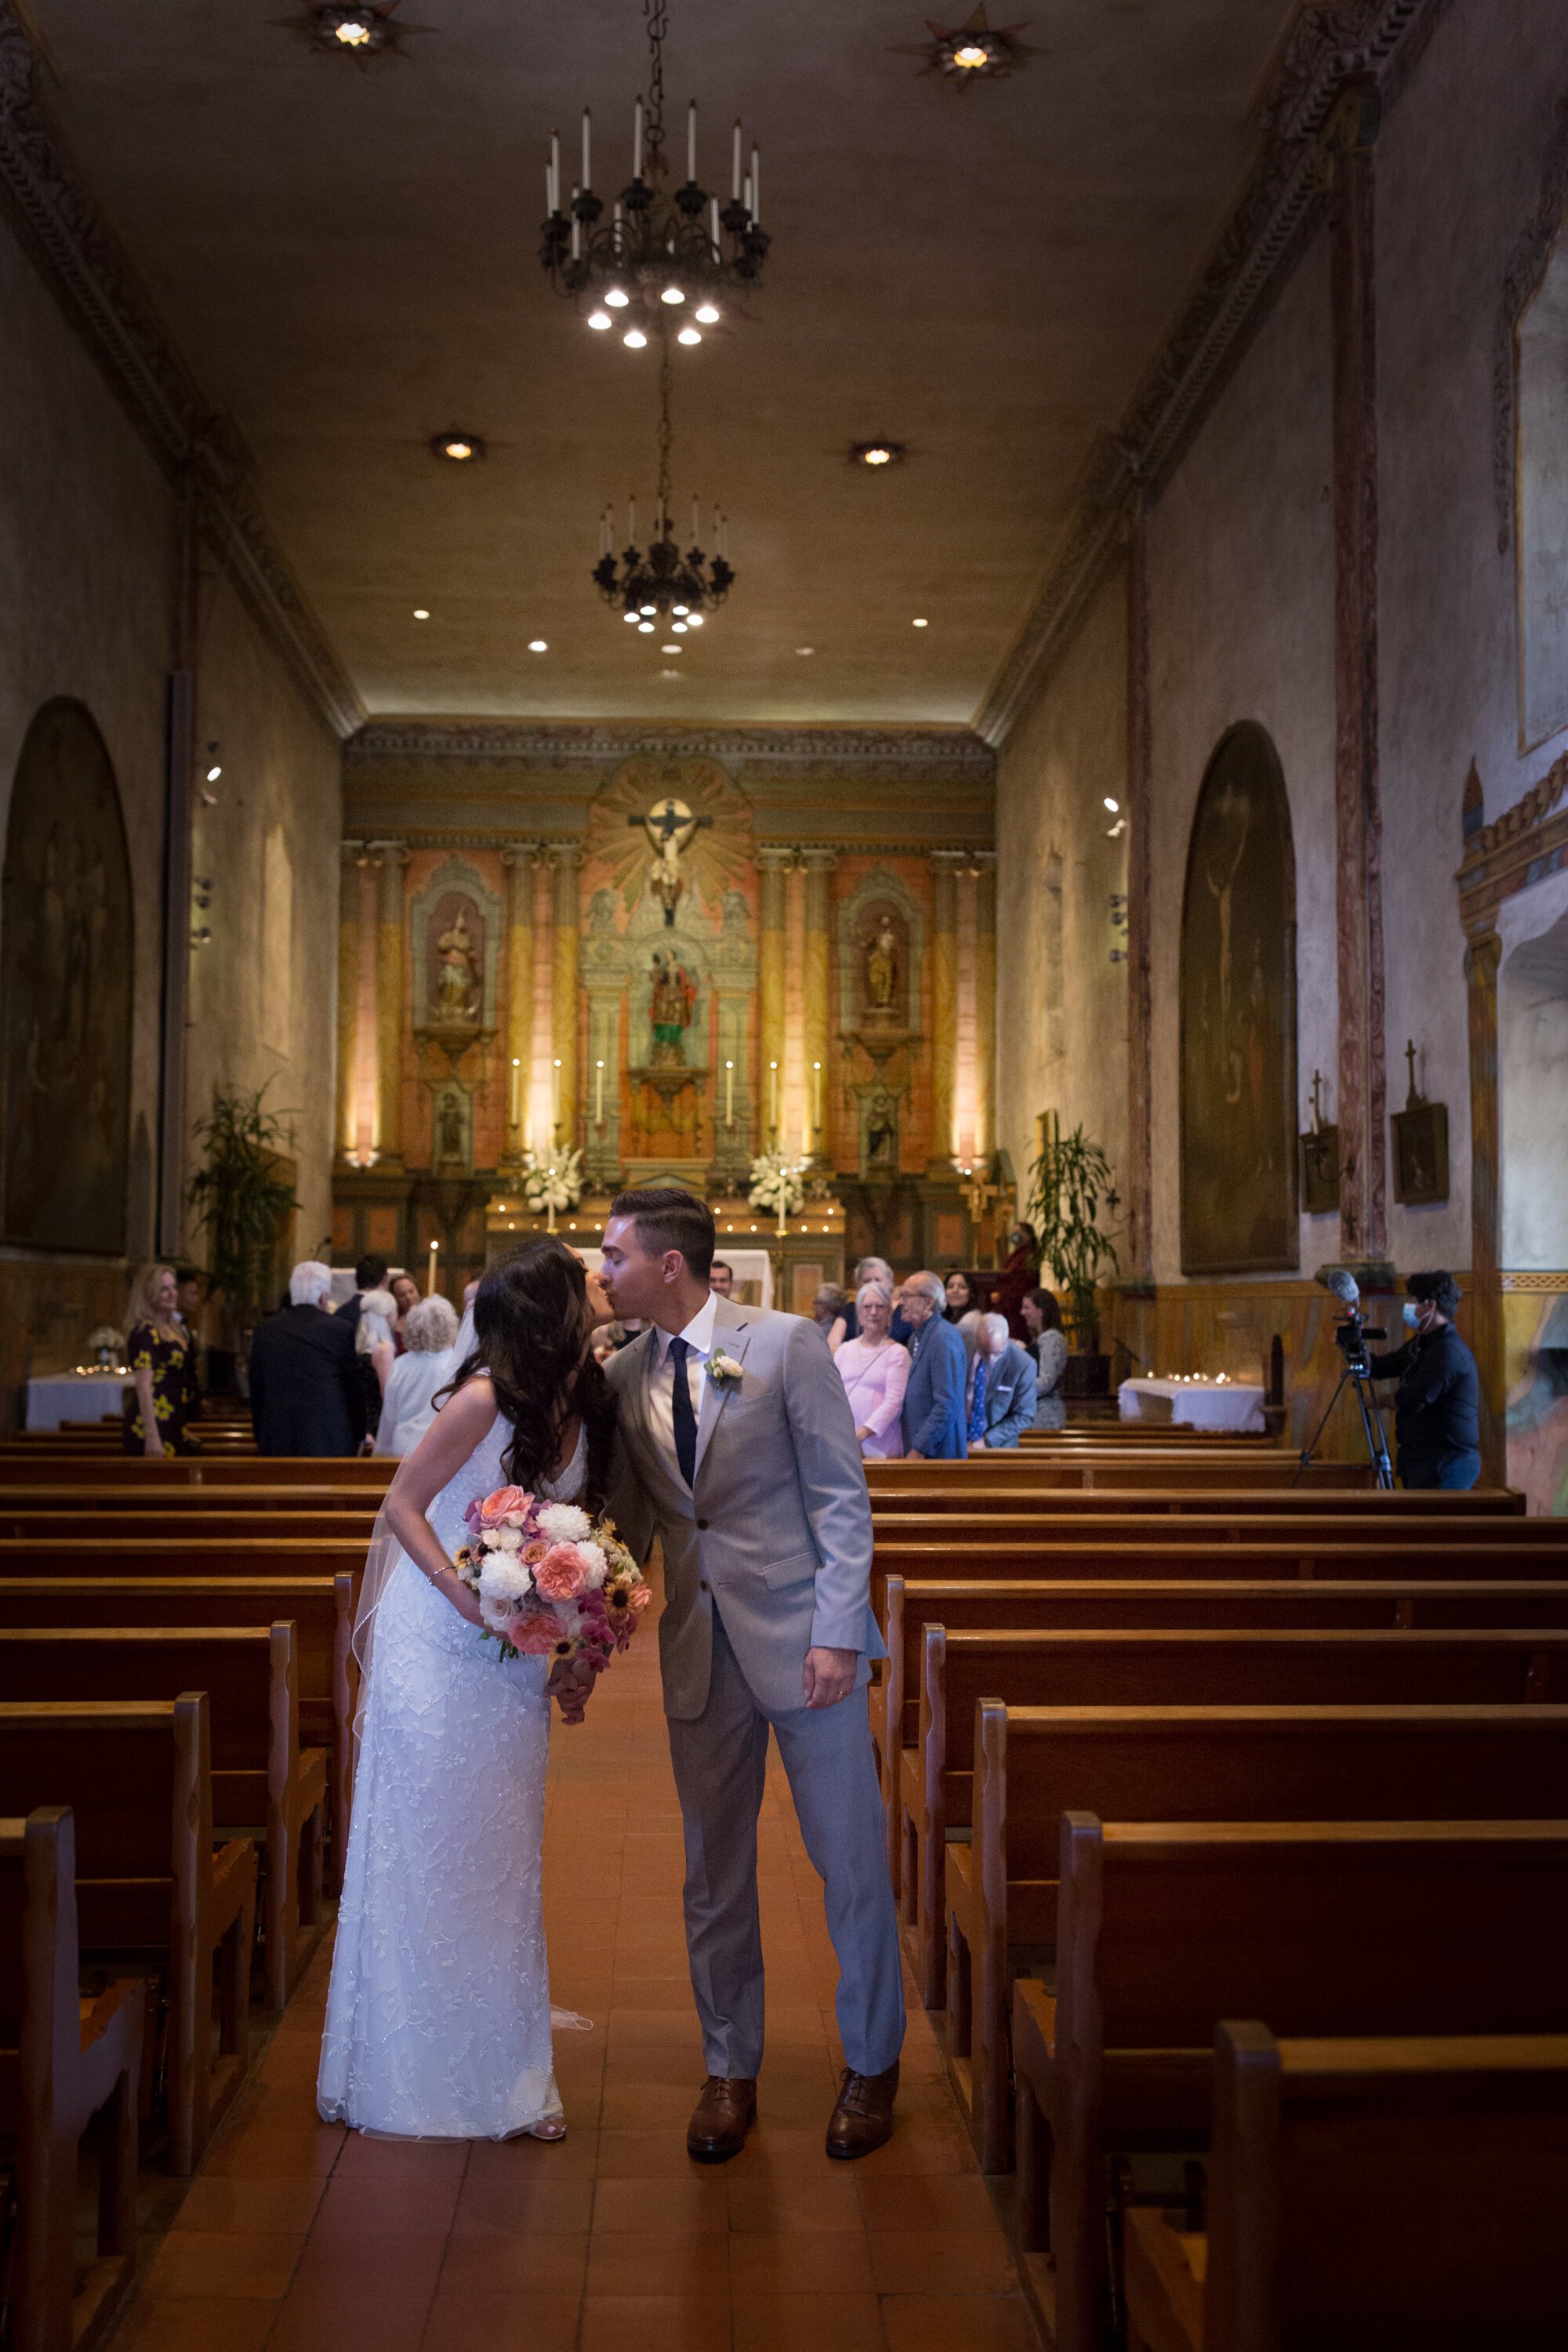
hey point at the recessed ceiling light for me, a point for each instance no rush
(420, 613)
(920, 625)
(803, 650)
(670, 649)
(876, 454)
(339, 28)
(213, 774)
(460, 448)
(670, 673)
(537, 645)
(1110, 804)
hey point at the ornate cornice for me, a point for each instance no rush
(1366, 41)
(939, 755)
(59, 221)
(1528, 842)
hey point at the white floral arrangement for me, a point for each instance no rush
(776, 1187)
(552, 1183)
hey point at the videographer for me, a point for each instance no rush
(1437, 1409)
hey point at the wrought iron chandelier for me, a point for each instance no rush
(668, 257)
(664, 583)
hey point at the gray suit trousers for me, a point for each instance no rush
(721, 1762)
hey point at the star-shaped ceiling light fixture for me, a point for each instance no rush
(972, 51)
(337, 28)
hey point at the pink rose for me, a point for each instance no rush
(641, 1594)
(534, 1633)
(506, 1503)
(561, 1574)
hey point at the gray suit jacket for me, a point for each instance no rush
(777, 1528)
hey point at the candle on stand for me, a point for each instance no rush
(576, 227)
(550, 1202)
(555, 1100)
(555, 170)
(817, 1098)
(587, 176)
(755, 200)
(516, 1090)
(599, 1093)
(735, 188)
(430, 1278)
(729, 1094)
(773, 1095)
(691, 140)
(713, 222)
(783, 1196)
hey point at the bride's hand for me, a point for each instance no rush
(571, 1683)
(463, 1597)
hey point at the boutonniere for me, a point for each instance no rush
(723, 1371)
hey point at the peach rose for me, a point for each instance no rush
(562, 1574)
(534, 1633)
(506, 1503)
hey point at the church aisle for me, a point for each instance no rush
(298, 2237)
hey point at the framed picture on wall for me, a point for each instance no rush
(1321, 1171)
(1421, 1155)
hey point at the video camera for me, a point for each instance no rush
(1351, 1336)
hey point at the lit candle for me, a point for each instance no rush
(555, 170)
(773, 1095)
(691, 140)
(746, 193)
(549, 190)
(756, 197)
(549, 1201)
(555, 1101)
(817, 1096)
(599, 1093)
(636, 140)
(516, 1089)
(430, 1278)
(587, 175)
(713, 222)
(735, 189)
(576, 228)
(729, 1094)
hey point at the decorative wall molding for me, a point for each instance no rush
(58, 223)
(916, 754)
(1366, 41)
(1525, 844)
(1526, 267)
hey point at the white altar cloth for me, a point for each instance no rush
(73, 1396)
(1235, 1405)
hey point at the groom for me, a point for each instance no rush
(737, 1446)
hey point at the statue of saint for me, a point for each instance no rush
(457, 993)
(450, 1132)
(671, 1003)
(882, 968)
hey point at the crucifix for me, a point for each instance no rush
(669, 829)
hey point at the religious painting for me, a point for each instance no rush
(67, 969)
(454, 961)
(1238, 1018)
(1421, 1155)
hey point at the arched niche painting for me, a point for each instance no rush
(66, 976)
(1238, 1018)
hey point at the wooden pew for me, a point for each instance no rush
(1192, 1764)
(63, 2061)
(322, 1609)
(984, 1498)
(1089, 1472)
(1396, 2194)
(208, 1526)
(264, 1785)
(29, 1466)
(1185, 1667)
(1123, 1604)
(86, 1496)
(238, 1555)
(149, 1880)
(1335, 1929)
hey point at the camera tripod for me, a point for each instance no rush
(1371, 1425)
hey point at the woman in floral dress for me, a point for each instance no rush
(162, 1356)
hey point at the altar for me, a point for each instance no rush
(1232, 1405)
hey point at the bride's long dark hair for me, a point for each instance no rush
(531, 1335)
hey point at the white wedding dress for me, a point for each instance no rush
(439, 2015)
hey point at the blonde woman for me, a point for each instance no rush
(162, 1357)
(374, 1330)
(875, 1371)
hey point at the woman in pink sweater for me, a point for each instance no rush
(875, 1371)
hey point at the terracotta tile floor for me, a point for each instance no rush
(298, 2237)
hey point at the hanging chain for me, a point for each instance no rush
(656, 15)
(664, 431)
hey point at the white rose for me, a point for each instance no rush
(593, 1557)
(503, 1539)
(497, 1614)
(563, 1522)
(501, 1579)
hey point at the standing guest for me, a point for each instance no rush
(721, 1279)
(1048, 1345)
(190, 1288)
(405, 1290)
(961, 1299)
(872, 1269)
(829, 1313)
(160, 1351)
(307, 1395)
(875, 1371)
(1020, 1274)
(408, 1407)
(1001, 1400)
(373, 1345)
(370, 1273)
(1437, 1405)
(934, 1401)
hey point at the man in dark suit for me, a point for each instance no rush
(307, 1395)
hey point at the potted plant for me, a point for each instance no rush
(242, 1197)
(1068, 1182)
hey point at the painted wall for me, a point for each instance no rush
(86, 569)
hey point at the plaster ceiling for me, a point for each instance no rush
(347, 261)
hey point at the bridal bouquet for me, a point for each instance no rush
(551, 1582)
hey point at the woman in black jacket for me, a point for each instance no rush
(1437, 1406)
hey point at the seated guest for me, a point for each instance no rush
(162, 1355)
(934, 1401)
(875, 1371)
(828, 1313)
(961, 1299)
(1048, 1345)
(1001, 1397)
(721, 1279)
(408, 1407)
(405, 1290)
(307, 1395)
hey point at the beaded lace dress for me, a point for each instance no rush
(439, 2015)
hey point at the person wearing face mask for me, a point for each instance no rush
(1437, 1406)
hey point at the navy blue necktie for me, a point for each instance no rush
(685, 1419)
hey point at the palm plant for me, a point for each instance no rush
(1067, 1185)
(238, 1195)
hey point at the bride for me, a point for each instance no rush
(437, 2020)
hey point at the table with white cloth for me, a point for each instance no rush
(55, 1397)
(1234, 1405)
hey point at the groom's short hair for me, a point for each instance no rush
(668, 1219)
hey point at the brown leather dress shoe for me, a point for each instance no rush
(863, 2118)
(724, 2114)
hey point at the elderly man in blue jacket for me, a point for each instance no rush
(934, 1401)
(1000, 1398)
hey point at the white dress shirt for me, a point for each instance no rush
(699, 1337)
